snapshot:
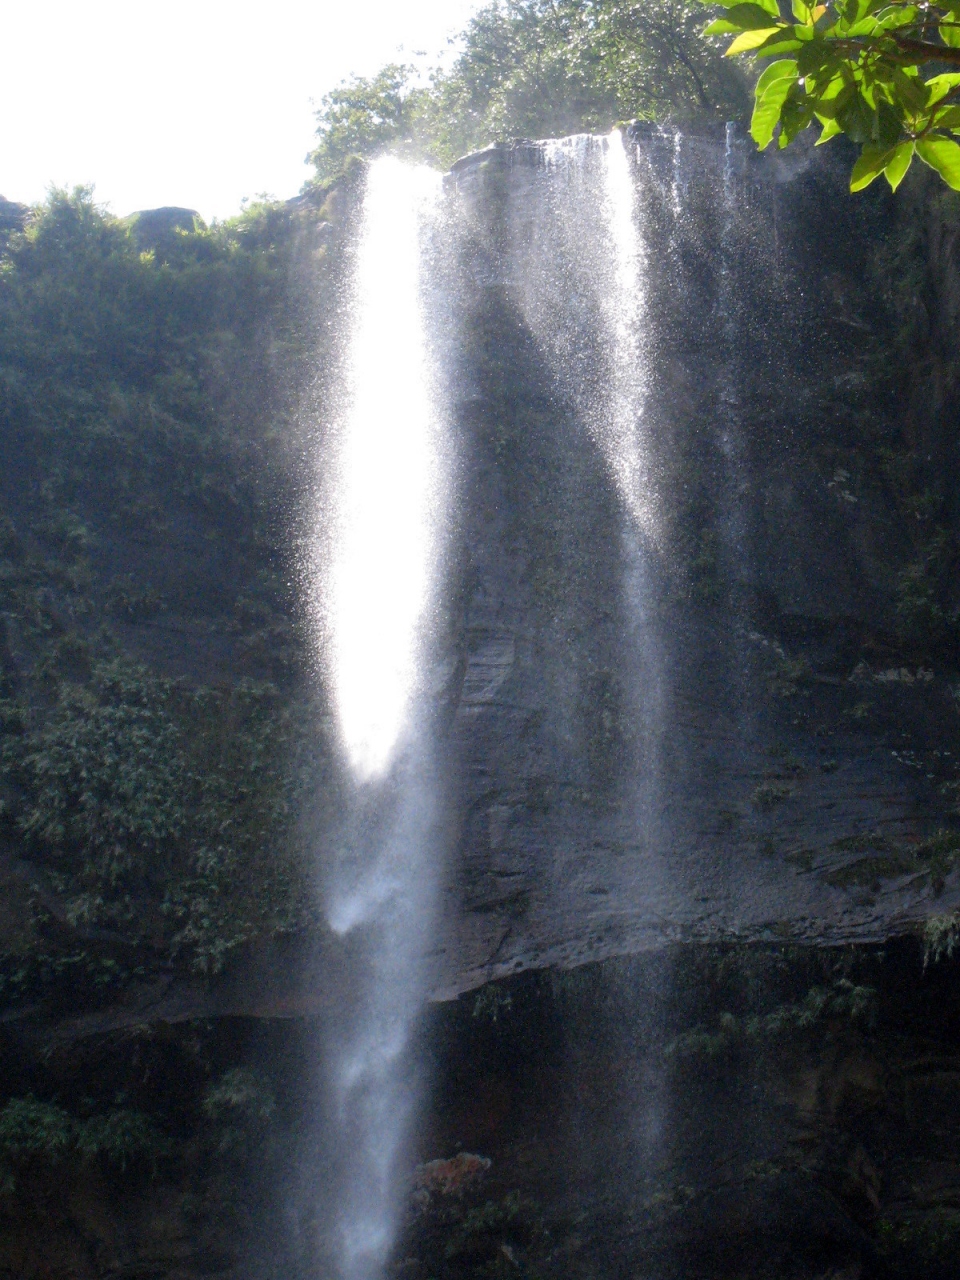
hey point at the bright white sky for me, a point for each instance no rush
(196, 104)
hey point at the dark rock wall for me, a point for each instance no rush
(737, 729)
(711, 1112)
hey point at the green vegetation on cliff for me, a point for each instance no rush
(150, 747)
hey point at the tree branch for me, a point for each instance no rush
(924, 51)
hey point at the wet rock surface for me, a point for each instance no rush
(745, 1124)
(714, 730)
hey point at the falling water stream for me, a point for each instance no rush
(623, 298)
(380, 895)
(388, 476)
(580, 272)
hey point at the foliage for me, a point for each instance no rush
(361, 116)
(934, 857)
(842, 1005)
(165, 811)
(941, 933)
(240, 1092)
(491, 1002)
(242, 1107)
(148, 375)
(106, 774)
(536, 68)
(928, 1241)
(885, 74)
(31, 1130)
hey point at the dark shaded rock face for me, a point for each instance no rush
(702, 1112)
(721, 728)
(699, 1111)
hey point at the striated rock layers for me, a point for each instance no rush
(723, 727)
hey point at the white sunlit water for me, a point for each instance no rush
(388, 475)
(375, 1086)
(585, 274)
(623, 306)
(729, 426)
(379, 592)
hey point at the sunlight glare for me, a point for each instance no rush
(388, 475)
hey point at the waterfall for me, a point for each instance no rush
(582, 273)
(623, 307)
(384, 556)
(730, 433)
(388, 475)
(574, 264)
(578, 263)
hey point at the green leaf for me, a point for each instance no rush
(939, 86)
(897, 15)
(890, 130)
(899, 162)
(751, 17)
(911, 90)
(950, 34)
(784, 69)
(830, 130)
(854, 10)
(750, 40)
(870, 165)
(865, 27)
(741, 17)
(855, 118)
(947, 118)
(831, 98)
(815, 58)
(766, 112)
(795, 115)
(781, 41)
(942, 154)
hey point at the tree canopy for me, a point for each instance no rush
(535, 68)
(885, 74)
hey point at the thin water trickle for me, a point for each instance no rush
(584, 275)
(729, 425)
(623, 307)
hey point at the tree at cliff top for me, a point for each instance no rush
(886, 75)
(535, 68)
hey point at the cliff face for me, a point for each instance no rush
(739, 723)
(701, 768)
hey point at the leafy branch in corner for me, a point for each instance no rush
(886, 75)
